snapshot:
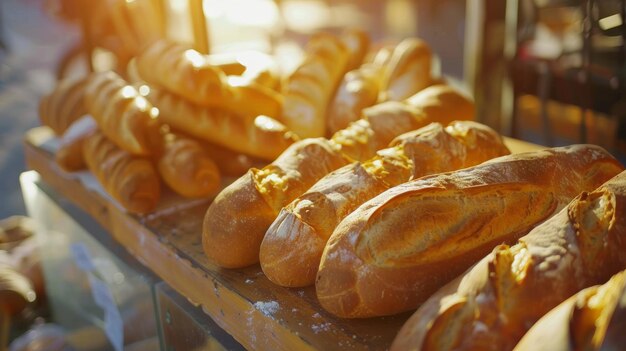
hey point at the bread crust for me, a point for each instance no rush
(292, 248)
(64, 105)
(592, 319)
(260, 136)
(236, 221)
(122, 114)
(500, 297)
(395, 250)
(131, 180)
(187, 168)
(383, 122)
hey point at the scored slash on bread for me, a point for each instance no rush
(398, 248)
(237, 219)
(292, 247)
(496, 301)
(232, 236)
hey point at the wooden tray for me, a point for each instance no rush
(259, 314)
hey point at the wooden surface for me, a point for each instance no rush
(259, 314)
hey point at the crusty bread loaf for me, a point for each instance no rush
(129, 179)
(393, 75)
(357, 42)
(494, 303)
(262, 136)
(184, 71)
(236, 221)
(65, 104)
(191, 75)
(122, 114)
(309, 89)
(292, 248)
(383, 122)
(395, 250)
(358, 90)
(408, 70)
(187, 168)
(593, 319)
(69, 155)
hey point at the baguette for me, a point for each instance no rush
(189, 74)
(358, 90)
(309, 89)
(408, 70)
(131, 180)
(593, 319)
(395, 250)
(394, 76)
(357, 42)
(383, 122)
(261, 137)
(69, 156)
(122, 114)
(292, 247)
(236, 221)
(494, 303)
(64, 105)
(187, 168)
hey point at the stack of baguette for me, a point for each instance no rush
(181, 111)
(238, 218)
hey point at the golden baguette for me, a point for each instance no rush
(495, 302)
(261, 136)
(236, 221)
(408, 70)
(191, 75)
(309, 89)
(358, 90)
(122, 114)
(64, 105)
(187, 168)
(70, 156)
(383, 122)
(593, 319)
(242, 238)
(129, 179)
(393, 76)
(395, 250)
(292, 247)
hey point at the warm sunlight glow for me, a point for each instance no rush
(197, 59)
(261, 13)
(128, 92)
(306, 15)
(144, 90)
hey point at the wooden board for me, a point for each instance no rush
(259, 314)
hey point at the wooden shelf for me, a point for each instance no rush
(259, 314)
